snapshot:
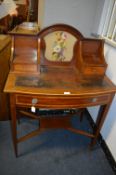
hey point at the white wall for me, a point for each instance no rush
(78, 13)
(109, 128)
(41, 10)
(98, 15)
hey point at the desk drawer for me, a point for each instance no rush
(94, 70)
(59, 101)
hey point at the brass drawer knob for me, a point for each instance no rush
(94, 99)
(34, 101)
(95, 71)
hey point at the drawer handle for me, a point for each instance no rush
(34, 101)
(94, 99)
(95, 71)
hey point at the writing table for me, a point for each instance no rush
(57, 68)
(57, 88)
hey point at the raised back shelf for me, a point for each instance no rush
(60, 46)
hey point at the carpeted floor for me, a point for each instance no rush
(57, 152)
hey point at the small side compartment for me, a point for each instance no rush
(91, 62)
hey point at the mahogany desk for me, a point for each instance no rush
(57, 88)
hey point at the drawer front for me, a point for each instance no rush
(60, 102)
(94, 70)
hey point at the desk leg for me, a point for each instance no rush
(100, 120)
(13, 121)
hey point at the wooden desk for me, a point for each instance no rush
(53, 92)
(69, 75)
